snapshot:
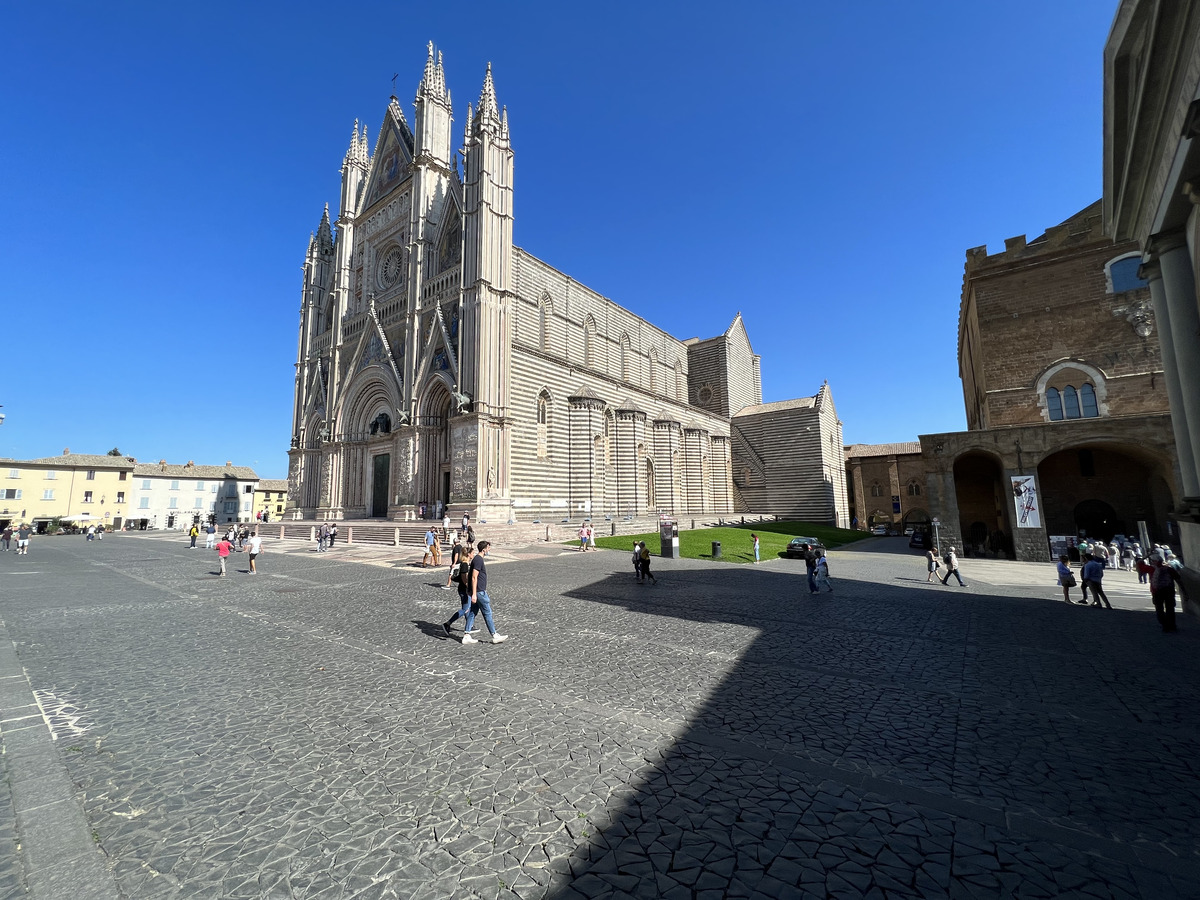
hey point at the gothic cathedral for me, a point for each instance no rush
(442, 368)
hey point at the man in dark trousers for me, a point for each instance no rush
(1162, 589)
(810, 563)
(479, 597)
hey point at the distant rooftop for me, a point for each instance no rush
(859, 450)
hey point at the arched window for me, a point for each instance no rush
(914, 488)
(1072, 389)
(1087, 396)
(1122, 274)
(543, 425)
(545, 313)
(1054, 403)
(1070, 402)
(589, 342)
(608, 430)
(876, 489)
(626, 358)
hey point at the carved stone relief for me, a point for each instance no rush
(397, 209)
(464, 460)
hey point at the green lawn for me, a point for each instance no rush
(735, 540)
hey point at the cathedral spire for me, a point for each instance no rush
(325, 232)
(352, 152)
(364, 149)
(433, 82)
(487, 97)
(504, 124)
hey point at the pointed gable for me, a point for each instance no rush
(393, 154)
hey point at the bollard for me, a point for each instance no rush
(693, 524)
(396, 539)
(716, 549)
(614, 529)
(349, 534)
(312, 532)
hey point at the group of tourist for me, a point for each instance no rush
(1160, 569)
(23, 534)
(246, 541)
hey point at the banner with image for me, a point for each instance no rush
(1025, 497)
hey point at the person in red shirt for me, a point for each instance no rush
(223, 550)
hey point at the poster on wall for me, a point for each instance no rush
(1029, 514)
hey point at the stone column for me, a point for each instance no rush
(1179, 326)
(860, 501)
(894, 482)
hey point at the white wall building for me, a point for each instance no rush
(174, 496)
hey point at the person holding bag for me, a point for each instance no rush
(1066, 578)
(932, 563)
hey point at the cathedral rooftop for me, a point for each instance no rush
(854, 451)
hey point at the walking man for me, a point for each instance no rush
(457, 563)
(224, 547)
(430, 545)
(322, 536)
(255, 543)
(1093, 572)
(952, 568)
(810, 564)
(644, 557)
(1162, 589)
(210, 536)
(583, 537)
(6, 537)
(23, 535)
(193, 533)
(479, 597)
(637, 561)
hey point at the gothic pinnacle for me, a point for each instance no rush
(487, 96)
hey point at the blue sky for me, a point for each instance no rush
(820, 167)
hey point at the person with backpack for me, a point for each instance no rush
(322, 536)
(810, 564)
(1162, 590)
(644, 558)
(951, 561)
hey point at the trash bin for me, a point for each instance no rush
(716, 549)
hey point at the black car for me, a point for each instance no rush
(797, 545)
(922, 540)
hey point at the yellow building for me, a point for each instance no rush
(75, 488)
(271, 497)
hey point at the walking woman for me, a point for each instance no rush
(932, 563)
(1066, 578)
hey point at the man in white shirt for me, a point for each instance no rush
(254, 545)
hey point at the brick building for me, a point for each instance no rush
(887, 485)
(1065, 399)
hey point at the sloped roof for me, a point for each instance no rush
(273, 484)
(82, 460)
(855, 451)
(758, 408)
(209, 473)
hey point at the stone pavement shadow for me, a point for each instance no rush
(434, 630)
(893, 741)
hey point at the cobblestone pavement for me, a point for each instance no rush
(310, 732)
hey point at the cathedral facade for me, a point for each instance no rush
(442, 368)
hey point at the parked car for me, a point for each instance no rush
(922, 540)
(893, 531)
(797, 545)
(879, 530)
(909, 531)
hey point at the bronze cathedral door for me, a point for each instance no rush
(381, 474)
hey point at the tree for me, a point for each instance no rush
(115, 452)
